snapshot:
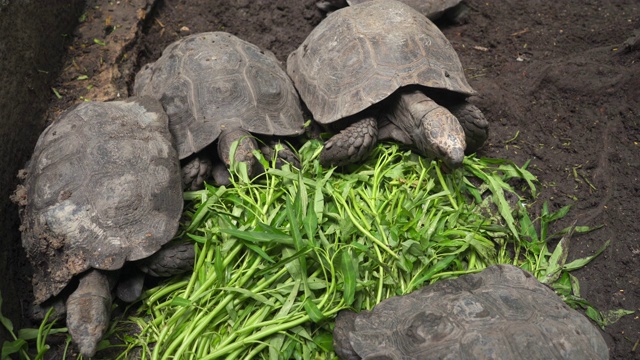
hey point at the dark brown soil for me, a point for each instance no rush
(559, 88)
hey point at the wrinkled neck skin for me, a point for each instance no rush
(435, 132)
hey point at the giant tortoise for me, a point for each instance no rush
(102, 188)
(382, 70)
(215, 86)
(501, 313)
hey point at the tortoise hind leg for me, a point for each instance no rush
(130, 284)
(88, 311)
(352, 144)
(171, 259)
(475, 125)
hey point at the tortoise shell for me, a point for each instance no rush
(501, 313)
(361, 54)
(431, 8)
(213, 80)
(103, 187)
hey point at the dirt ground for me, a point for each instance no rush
(556, 82)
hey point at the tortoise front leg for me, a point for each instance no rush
(88, 311)
(475, 125)
(195, 171)
(351, 145)
(283, 156)
(247, 144)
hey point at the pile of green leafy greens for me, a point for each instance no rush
(280, 255)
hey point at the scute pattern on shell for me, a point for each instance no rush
(500, 313)
(211, 80)
(361, 54)
(103, 187)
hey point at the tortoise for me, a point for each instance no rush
(215, 86)
(502, 312)
(381, 70)
(102, 188)
(433, 9)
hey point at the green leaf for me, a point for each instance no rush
(180, 301)
(12, 347)
(103, 344)
(587, 229)
(288, 304)
(324, 341)
(28, 333)
(561, 213)
(557, 260)
(218, 265)
(293, 211)
(290, 257)
(4, 320)
(498, 198)
(312, 310)
(258, 250)
(310, 222)
(349, 276)
(258, 237)
(526, 225)
(594, 315)
(99, 42)
(275, 346)
(204, 209)
(438, 267)
(610, 317)
(197, 238)
(579, 263)
(575, 285)
(260, 298)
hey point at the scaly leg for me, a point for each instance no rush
(352, 144)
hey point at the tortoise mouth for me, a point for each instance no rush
(454, 158)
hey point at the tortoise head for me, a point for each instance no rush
(442, 137)
(434, 130)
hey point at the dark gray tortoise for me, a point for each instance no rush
(501, 313)
(433, 9)
(215, 86)
(102, 188)
(385, 71)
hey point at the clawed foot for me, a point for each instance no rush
(195, 172)
(475, 125)
(280, 152)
